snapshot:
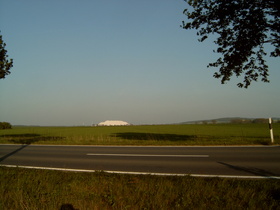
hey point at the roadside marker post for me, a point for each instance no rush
(271, 130)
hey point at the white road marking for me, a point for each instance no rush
(142, 173)
(163, 146)
(143, 155)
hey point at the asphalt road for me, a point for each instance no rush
(218, 161)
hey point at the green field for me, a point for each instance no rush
(42, 189)
(211, 134)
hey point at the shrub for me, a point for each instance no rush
(5, 125)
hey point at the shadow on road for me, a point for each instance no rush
(25, 139)
(154, 136)
(14, 152)
(255, 171)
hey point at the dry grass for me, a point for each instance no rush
(41, 189)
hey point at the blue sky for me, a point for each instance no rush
(83, 62)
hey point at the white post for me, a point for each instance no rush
(271, 131)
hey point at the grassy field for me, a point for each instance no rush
(42, 189)
(211, 134)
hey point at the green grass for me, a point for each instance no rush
(214, 134)
(43, 189)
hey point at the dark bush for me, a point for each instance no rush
(5, 125)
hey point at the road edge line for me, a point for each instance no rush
(142, 173)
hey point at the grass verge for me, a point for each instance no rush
(43, 189)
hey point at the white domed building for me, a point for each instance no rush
(113, 123)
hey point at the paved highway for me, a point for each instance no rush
(256, 161)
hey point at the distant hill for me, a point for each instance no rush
(230, 120)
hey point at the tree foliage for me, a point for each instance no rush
(5, 64)
(5, 125)
(242, 27)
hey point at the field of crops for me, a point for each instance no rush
(211, 134)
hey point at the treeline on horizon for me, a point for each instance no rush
(7, 125)
(235, 121)
(257, 120)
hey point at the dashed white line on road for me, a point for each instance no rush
(146, 155)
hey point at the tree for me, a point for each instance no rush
(242, 27)
(5, 64)
(5, 125)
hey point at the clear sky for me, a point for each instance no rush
(83, 62)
